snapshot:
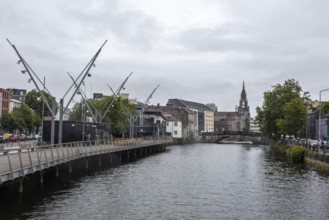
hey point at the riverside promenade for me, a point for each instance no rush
(18, 161)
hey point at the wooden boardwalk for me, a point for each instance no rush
(17, 162)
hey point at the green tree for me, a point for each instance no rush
(75, 113)
(23, 117)
(118, 115)
(34, 100)
(8, 123)
(276, 116)
(295, 115)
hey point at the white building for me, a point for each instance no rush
(14, 103)
(173, 126)
(205, 114)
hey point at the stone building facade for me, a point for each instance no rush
(238, 120)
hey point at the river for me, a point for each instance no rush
(200, 181)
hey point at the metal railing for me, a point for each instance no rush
(307, 145)
(21, 160)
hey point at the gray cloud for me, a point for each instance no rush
(259, 42)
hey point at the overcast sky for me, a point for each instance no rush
(197, 50)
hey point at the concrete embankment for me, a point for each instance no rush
(317, 159)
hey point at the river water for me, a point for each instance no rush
(200, 181)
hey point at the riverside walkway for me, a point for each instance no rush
(19, 161)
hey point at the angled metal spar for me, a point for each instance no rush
(83, 95)
(51, 109)
(115, 95)
(28, 69)
(141, 112)
(83, 75)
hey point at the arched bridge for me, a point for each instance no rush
(217, 137)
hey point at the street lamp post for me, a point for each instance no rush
(320, 114)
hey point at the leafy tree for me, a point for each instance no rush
(23, 117)
(277, 115)
(75, 114)
(34, 100)
(8, 123)
(118, 114)
(291, 124)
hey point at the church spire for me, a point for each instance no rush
(243, 110)
(243, 93)
(243, 106)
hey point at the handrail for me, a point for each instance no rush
(19, 161)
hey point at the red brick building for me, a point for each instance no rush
(4, 101)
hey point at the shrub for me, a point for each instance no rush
(297, 154)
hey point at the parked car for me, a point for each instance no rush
(313, 143)
(22, 137)
(29, 137)
(6, 137)
(14, 138)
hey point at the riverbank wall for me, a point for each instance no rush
(313, 157)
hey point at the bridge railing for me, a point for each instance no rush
(19, 161)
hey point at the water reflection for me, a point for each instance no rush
(201, 181)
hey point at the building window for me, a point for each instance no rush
(175, 123)
(175, 132)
